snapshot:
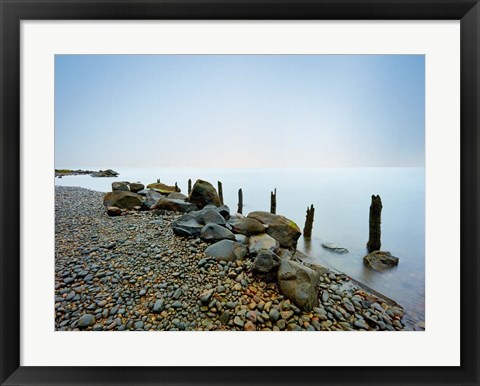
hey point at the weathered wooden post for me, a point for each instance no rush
(374, 242)
(158, 180)
(220, 192)
(307, 229)
(273, 201)
(240, 201)
(189, 186)
(177, 189)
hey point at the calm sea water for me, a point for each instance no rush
(341, 197)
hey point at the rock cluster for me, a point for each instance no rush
(130, 272)
(105, 173)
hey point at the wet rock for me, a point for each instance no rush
(163, 189)
(380, 261)
(334, 248)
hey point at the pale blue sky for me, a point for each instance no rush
(239, 110)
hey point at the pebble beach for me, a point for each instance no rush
(132, 273)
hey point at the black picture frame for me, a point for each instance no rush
(13, 11)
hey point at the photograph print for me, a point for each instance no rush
(240, 193)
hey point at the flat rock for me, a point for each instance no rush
(380, 261)
(333, 247)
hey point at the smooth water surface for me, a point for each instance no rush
(341, 197)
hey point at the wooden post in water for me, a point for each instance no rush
(158, 180)
(240, 201)
(307, 229)
(220, 192)
(189, 186)
(177, 189)
(273, 201)
(374, 242)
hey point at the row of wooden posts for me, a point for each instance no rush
(373, 243)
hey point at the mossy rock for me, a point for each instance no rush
(282, 229)
(122, 199)
(163, 189)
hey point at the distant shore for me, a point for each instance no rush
(132, 273)
(100, 173)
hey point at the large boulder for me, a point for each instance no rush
(174, 205)
(333, 247)
(151, 198)
(177, 196)
(245, 226)
(227, 250)
(120, 186)
(298, 283)
(380, 261)
(163, 189)
(187, 226)
(266, 264)
(203, 193)
(122, 200)
(136, 187)
(279, 227)
(211, 216)
(215, 232)
(262, 241)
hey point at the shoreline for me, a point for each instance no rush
(132, 273)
